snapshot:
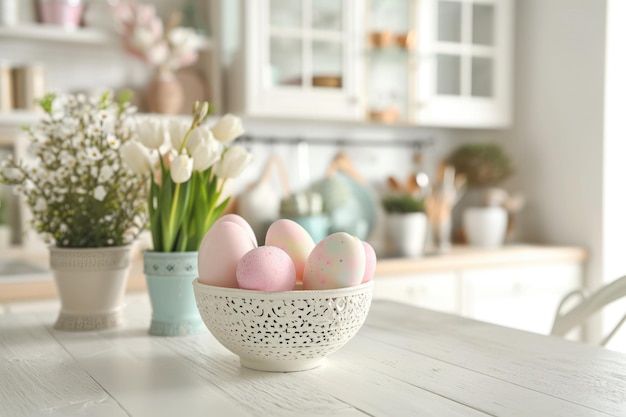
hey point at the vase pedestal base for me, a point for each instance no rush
(180, 328)
(86, 322)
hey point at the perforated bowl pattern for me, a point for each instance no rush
(285, 328)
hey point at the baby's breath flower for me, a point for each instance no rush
(99, 193)
(113, 142)
(79, 191)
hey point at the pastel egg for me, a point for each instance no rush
(266, 268)
(338, 261)
(293, 239)
(235, 218)
(370, 262)
(221, 249)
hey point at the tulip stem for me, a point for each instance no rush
(170, 227)
(196, 122)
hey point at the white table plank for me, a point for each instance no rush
(473, 389)
(324, 391)
(584, 375)
(145, 377)
(38, 378)
(404, 362)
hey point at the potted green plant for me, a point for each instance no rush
(84, 201)
(185, 199)
(485, 165)
(407, 223)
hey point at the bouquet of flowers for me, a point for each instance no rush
(187, 181)
(144, 36)
(80, 192)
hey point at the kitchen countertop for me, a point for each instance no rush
(40, 285)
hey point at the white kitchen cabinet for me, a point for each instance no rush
(458, 71)
(519, 295)
(299, 58)
(436, 291)
(464, 66)
(524, 297)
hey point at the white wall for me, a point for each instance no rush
(568, 138)
(557, 137)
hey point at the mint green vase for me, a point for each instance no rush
(169, 276)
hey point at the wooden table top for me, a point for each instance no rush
(405, 361)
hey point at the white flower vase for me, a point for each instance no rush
(408, 233)
(91, 284)
(485, 226)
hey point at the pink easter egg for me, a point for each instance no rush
(337, 261)
(293, 239)
(235, 218)
(266, 268)
(220, 250)
(370, 262)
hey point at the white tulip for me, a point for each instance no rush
(181, 168)
(136, 157)
(234, 161)
(150, 133)
(227, 128)
(199, 136)
(206, 154)
(178, 129)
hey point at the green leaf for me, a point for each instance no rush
(46, 102)
(124, 97)
(154, 209)
(165, 200)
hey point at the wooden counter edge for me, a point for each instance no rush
(460, 257)
(474, 258)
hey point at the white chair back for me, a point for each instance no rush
(565, 321)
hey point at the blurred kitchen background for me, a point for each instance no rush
(384, 92)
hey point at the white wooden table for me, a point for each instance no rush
(405, 361)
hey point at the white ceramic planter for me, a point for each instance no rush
(91, 284)
(408, 233)
(5, 236)
(485, 226)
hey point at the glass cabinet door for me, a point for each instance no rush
(307, 43)
(465, 54)
(464, 67)
(302, 58)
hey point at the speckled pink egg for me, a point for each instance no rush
(235, 218)
(266, 268)
(338, 261)
(370, 262)
(293, 239)
(221, 249)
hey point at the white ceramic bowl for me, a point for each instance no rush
(283, 331)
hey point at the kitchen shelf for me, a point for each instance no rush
(58, 34)
(52, 33)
